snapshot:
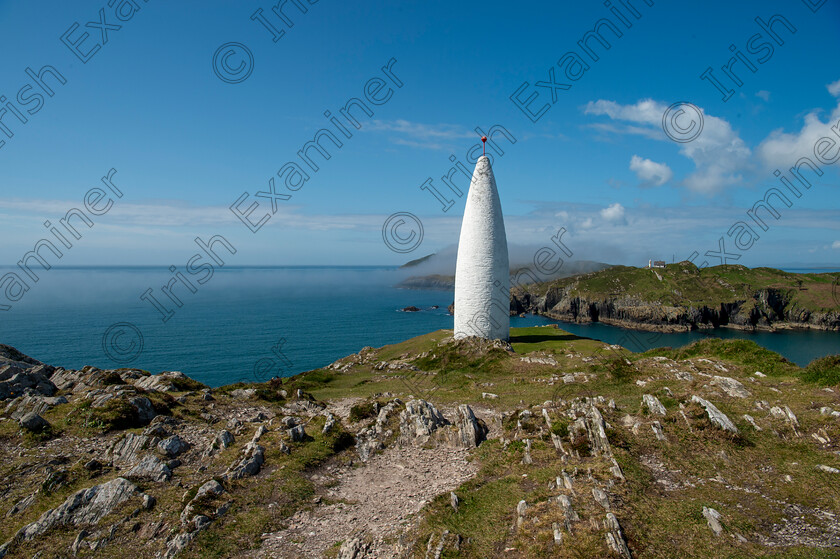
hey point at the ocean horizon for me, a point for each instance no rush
(250, 323)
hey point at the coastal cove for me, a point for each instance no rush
(280, 321)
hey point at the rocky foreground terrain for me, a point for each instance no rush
(551, 446)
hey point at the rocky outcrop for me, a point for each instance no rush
(34, 422)
(471, 431)
(16, 381)
(418, 421)
(86, 506)
(717, 417)
(253, 458)
(150, 468)
(768, 308)
(653, 404)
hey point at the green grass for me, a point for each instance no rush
(683, 284)
(741, 352)
(824, 370)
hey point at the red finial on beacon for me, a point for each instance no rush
(484, 145)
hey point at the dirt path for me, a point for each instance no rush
(377, 502)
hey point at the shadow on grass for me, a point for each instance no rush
(539, 338)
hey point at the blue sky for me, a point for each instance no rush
(186, 145)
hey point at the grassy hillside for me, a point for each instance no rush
(685, 285)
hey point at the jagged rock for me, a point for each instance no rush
(150, 468)
(653, 404)
(329, 424)
(209, 489)
(419, 420)
(16, 380)
(258, 434)
(145, 410)
(717, 417)
(200, 522)
(558, 534)
(161, 382)
(353, 548)
(223, 439)
(752, 422)
(453, 501)
(489, 396)
(86, 506)
(32, 402)
(297, 434)
(567, 481)
(77, 543)
(565, 503)
(34, 422)
(526, 457)
(731, 386)
(243, 393)
(126, 450)
(172, 446)
(156, 430)
(657, 430)
(22, 505)
(250, 464)
(597, 432)
(558, 444)
(615, 538)
(471, 431)
(178, 543)
(713, 519)
(149, 502)
(601, 498)
(521, 508)
(828, 469)
(212, 488)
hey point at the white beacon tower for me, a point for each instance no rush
(482, 271)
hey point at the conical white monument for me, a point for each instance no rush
(482, 275)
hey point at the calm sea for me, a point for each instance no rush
(252, 323)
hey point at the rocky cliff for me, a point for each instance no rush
(681, 297)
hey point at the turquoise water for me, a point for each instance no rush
(229, 330)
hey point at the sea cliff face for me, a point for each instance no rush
(768, 309)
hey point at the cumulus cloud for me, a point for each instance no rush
(650, 172)
(781, 148)
(834, 88)
(719, 154)
(614, 213)
(764, 94)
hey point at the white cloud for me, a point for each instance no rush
(614, 213)
(426, 136)
(764, 94)
(835, 245)
(650, 172)
(718, 153)
(780, 149)
(834, 88)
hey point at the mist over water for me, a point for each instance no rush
(309, 316)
